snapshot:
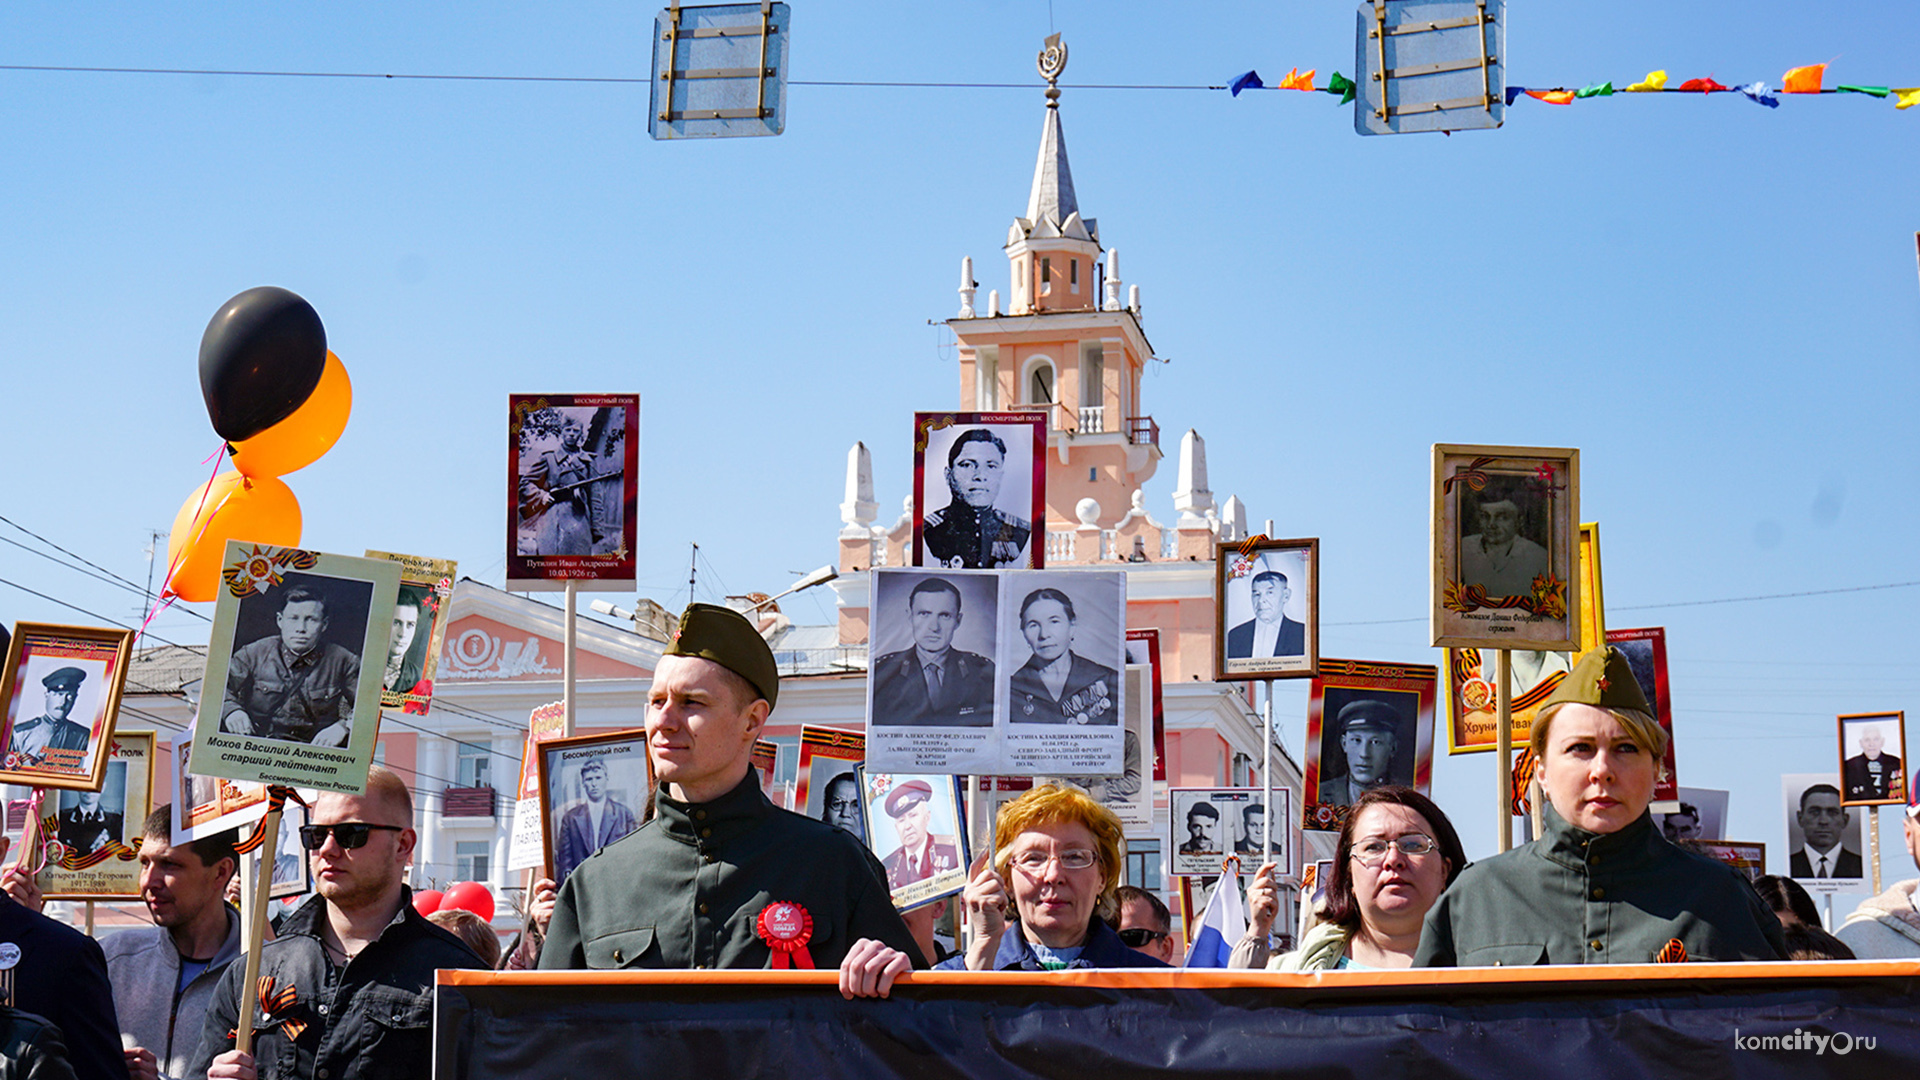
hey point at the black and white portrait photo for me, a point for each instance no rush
(1366, 740)
(1504, 534)
(840, 802)
(1267, 610)
(1702, 816)
(406, 658)
(828, 789)
(572, 466)
(979, 490)
(1824, 838)
(296, 678)
(1872, 747)
(595, 790)
(290, 877)
(1206, 823)
(1072, 629)
(933, 633)
(89, 819)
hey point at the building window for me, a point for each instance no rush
(475, 766)
(987, 364)
(1143, 866)
(472, 860)
(1046, 276)
(786, 763)
(1242, 770)
(1073, 275)
(1040, 385)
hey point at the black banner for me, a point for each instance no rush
(1697, 1021)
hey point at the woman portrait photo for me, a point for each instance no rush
(1057, 684)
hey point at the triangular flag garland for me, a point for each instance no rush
(1801, 80)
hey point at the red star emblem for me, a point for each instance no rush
(1603, 683)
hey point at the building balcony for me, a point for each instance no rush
(468, 802)
(1093, 419)
(1142, 431)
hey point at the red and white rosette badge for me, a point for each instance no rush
(786, 927)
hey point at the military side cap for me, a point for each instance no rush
(1602, 678)
(907, 796)
(727, 638)
(1368, 716)
(64, 679)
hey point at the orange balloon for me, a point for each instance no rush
(236, 507)
(306, 436)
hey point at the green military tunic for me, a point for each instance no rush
(1575, 897)
(687, 888)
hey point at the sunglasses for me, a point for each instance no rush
(1139, 937)
(350, 834)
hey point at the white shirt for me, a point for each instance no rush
(1813, 859)
(1266, 635)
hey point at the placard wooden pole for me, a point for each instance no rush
(962, 925)
(1503, 734)
(256, 928)
(567, 660)
(1873, 841)
(1266, 781)
(1876, 888)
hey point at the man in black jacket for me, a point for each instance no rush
(351, 996)
(51, 969)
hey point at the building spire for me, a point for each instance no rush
(1052, 198)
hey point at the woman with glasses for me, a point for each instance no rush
(1397, 853)
(1041, 904)
(1601, 885)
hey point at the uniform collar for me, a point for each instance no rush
(1575, 847)
(731, 815)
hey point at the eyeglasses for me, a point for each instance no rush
(1372, 853)
(1139, 937)
(1035, 862)
(350, 834)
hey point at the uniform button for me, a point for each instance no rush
(699, 815)
(703, 909)
(321, 1072)
(1599, 894)
(708, 856)
(617, 958)
(699, 967)
(704, 833)
(1593, 860)
(1596, 944)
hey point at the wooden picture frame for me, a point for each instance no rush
(1249, 580)
(1506, 577)
(50, 668)
(1861, 783)
(1375, 702)
(628, 792)
(97, 859)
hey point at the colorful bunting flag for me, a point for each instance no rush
(1803, 80)
(1514, 92)
(1757, 93)
(1553, 97)
(1345, 87)
(1702, 86)
(1653, 83)
(1604, 89)
(1907, 98)
(1294, 80)
(1249, 81)
(1875, 91)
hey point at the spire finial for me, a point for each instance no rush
(1053, 61)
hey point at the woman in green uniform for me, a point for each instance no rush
(1601, 885)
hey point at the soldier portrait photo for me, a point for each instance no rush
(62, 691)
(1872, 746)
(1366, 741)
(914, 827)
(1824, 837)
(933, 636)
(595, 791)
(294, 673)
(979, 492)
(1203, 825)
(88, 820)
(1504, 536)
(52, 738)
(573, 488)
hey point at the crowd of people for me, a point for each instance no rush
(720, 878)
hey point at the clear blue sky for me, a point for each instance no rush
(1715, 302)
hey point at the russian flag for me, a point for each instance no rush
(1222, 925)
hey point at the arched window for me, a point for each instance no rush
(1040, 384)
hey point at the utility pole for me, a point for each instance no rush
(693, 568)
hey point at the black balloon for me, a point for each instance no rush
(260, 358)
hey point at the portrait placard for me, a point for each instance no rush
(206, 805)
(915, 828)
(1266, 609)
(1209, 824)
(1646, 653)
(62, 689)
(828, 788)
(1593, 608)
(573, 490)
(1472, 711)
(1824, 836)
(1872, 747)
(525, 846)
(419, 629)
(1128, 793)
(980, 490)
(287, 697)
(292, 874)
(99, 831)
(992, 672)
(594, 789)
(1143, 647)
(1750, 859)
(1505, 531)
(1702, 816)
(1368, 725)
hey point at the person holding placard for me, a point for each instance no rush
(1601, 885)
(1887, 927)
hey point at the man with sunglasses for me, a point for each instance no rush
(1146, 926)
(720, 877)
(351, 995)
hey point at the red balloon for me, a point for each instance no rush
(428, 901)
(470, 896)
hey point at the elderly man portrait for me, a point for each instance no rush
(932, 682)
(969, 531)
(592, 823)
(1872, 775)
(922, 853)
(1887, 927)
(86, 827)
(1823, 826)
(293, 685)
(1269, 633)
(1497, 558)
(558, 496)
(51, 738)
(1370, 744)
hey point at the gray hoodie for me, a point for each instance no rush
(1884, 927)
(145, 970)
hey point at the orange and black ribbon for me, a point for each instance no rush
(281, 1001)
(1671, 953)
(277, 797)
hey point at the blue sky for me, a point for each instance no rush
(1715, 302)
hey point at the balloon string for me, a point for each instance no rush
(167, 595)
